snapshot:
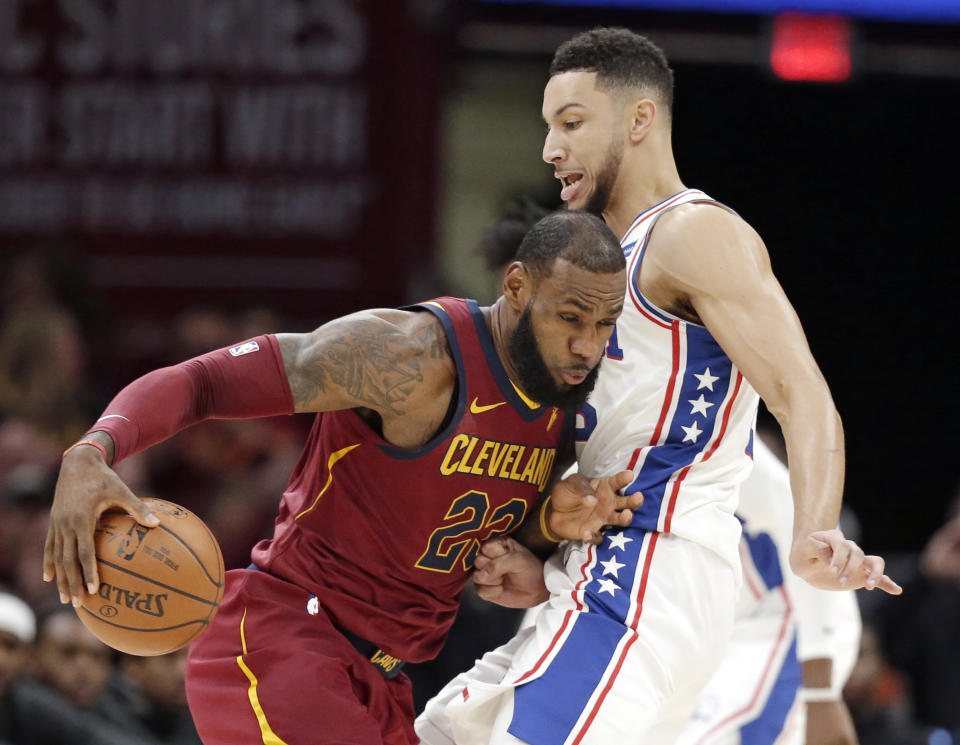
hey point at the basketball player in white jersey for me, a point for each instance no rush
(793, 646)
(636, 626)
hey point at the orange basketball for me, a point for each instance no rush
(159, 587)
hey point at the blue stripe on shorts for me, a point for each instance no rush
(766, 728)
(547, 709)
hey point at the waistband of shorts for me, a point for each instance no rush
(388, 665)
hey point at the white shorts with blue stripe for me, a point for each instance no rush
(634, 630)
(754, 696)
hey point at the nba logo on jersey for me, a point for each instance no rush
(246, 348)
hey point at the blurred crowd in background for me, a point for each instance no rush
(59, 365)
(176, 152)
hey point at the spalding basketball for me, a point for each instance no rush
(159, 587)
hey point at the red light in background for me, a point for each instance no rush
(811, 47)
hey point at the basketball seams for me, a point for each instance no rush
(139, 629)
(189, 548)
(222, 584)
(156, 582)
(193, 554)
(123, 646)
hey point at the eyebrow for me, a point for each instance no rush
(579, 304)
(566, 106)
(586, 308)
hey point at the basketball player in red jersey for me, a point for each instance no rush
(440, 427)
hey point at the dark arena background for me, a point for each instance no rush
(178, 175)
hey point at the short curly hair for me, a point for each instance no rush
(621, 59)
(583, 239)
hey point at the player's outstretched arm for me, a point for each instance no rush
(241, 382)
(710, 263)
(392, 362)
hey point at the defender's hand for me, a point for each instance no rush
(579, 508)
(829, 561)
(86, 487)
(508, 574)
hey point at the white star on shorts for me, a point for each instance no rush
(612, 567)
(692, 432)
(699, 405)
(619, 540)
(608, 585)
(706, 380)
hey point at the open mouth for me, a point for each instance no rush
(571, 183)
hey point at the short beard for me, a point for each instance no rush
(606, 178)
(535, 378)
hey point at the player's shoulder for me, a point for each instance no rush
(381, 335)
(397, 320)
(697, 234)
(695, 221)
(414, 329)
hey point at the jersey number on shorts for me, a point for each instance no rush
(460, 540)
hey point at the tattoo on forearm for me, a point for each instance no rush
(378, 367)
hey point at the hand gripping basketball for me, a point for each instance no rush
(159, 587)
(86, 487)
(145, 583)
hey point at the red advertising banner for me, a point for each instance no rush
(283, 149)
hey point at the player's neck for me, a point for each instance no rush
(497, 318)
(641, 185)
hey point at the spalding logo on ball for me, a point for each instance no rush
(159, 587)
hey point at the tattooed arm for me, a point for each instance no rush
(393, 366)
(391, 362)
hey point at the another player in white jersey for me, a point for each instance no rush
(636, 626)
(785, 633)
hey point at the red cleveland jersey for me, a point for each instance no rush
(386, 537)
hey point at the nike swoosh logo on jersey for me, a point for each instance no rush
(476, 408)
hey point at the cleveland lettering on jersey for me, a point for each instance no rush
(494, 459)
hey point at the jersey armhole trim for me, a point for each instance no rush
(652, 311)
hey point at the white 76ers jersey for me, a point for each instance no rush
(670, 406)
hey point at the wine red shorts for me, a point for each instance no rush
(272, 668)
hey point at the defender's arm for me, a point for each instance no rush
(716, 267)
